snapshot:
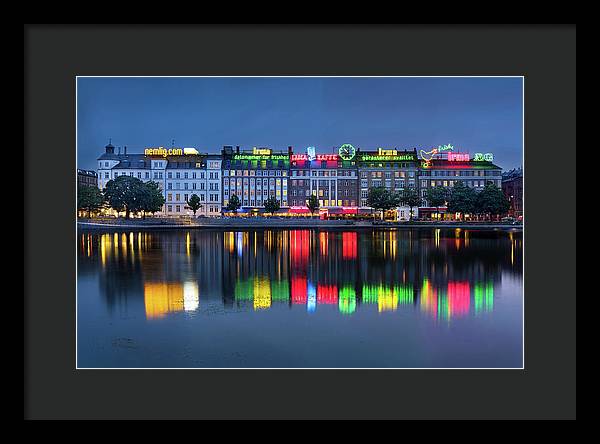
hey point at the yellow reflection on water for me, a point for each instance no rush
(262, 293)
(187, 244)
(161, 298)
(436, 237)
(104, 239)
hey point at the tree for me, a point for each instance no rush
(313, 204)
(410, 197)
(382, 199)
(491, 200)
(151, 199)
(194, 203)
(89, 199)
(271, 205)
(436, 196)
(234, 204)
(124, 194)
(461, 199)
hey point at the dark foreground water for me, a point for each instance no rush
(300, 298)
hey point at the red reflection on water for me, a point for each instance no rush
(349, 245)
(299, 247)
(459, 298)
(327, 294)
(299, 290)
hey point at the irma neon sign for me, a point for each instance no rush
(458, 157)
(384, 154)
(325, 157)
(261, 151)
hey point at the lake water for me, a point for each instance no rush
(427, 298)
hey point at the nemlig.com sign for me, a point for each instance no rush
(160, 151)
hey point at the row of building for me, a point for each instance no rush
(341, 179)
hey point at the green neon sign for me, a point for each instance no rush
(260, 157)
(481, 157)
(378, 158)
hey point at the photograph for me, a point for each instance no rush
(299, 222)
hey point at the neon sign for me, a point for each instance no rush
(384, 154)
(311, 153)
(428, 155)
(260, 157)
(321, 157)
(160, 151)
(458, 157)
(481, 157)
(190, 151)
(261, 151)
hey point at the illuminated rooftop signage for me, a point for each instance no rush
(160, 151)
(385, 152)
(428, 155)
(190, 151)
(458, 157)
(387, 155)
(260, 157)
(311, 152)
(480, 157)
(261, 151)
(319, 157)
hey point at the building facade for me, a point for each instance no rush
(87, 178)
(330, 177)
(254, 176)
(198, 174)
(512, 186)
(179, 172)
(340, 180)
(444, 170)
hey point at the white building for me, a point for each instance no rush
(178, 172)
(193, 174)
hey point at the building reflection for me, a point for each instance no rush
(443, 274)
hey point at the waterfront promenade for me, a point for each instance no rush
(268, 223)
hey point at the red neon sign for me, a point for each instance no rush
(326, 157)
(458, 157)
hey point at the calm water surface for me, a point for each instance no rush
(300, 298)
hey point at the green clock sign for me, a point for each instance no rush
(347, 151)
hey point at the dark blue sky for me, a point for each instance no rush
(473, 114)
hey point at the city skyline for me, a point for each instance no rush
(472, 113)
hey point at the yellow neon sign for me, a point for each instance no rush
(261, 151)
(384, 152)
(160, 151)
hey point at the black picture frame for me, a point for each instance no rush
(55, 54)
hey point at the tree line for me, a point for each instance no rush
(460, 198)
(133, 196)
(123, 194)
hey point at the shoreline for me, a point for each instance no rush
(295, 224)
